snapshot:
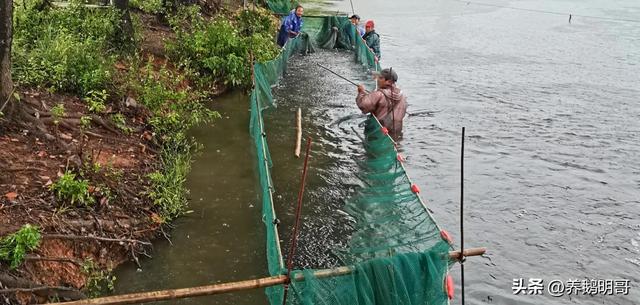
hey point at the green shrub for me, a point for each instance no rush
(167, 185)
(98, 280)
(148, 6)
(85, 122)
(121, 123)
(222, 48)
(175, 106)
(256, 21)
(74, 190)
(68, 49)
(57, 112)
(14, 247)
(95, 100)
(158, 89)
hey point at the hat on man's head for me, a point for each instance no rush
(354, 16)
(388, 74)
(369, 23)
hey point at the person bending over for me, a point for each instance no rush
(291, 25)
(355, 20)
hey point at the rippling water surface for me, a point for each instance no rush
(552, 164)
(551, 110)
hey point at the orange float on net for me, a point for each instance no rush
(385, 130)
(415, 188)
(449, 286)
(445, 235)
(400, 158)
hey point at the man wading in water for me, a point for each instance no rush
(387, 103)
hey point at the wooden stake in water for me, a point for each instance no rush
(298, 133)
(296, 226)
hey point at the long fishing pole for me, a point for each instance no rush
(352, 10)
(462, 217)
(336, 74)
(414, 113)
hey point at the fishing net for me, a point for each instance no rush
(397, 251)
(281, 6)
(396, 254)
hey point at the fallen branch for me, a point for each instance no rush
(76, 237)
(93, 134)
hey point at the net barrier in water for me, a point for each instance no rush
(397, 252)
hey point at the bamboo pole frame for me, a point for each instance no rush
(172, 294)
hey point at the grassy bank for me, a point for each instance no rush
(100, 168)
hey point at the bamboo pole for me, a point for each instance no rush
(172, 294)
(298, 133)
(456, 255)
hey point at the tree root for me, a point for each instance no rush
(22, 169)
(76, 237)
(102, 123)
(53, 259)
(19, 284)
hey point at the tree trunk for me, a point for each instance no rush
(6, 34)
(126, 26)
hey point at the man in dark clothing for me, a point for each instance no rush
(387, 103)
(372, 38)
(291, 25)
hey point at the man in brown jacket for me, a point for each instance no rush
(387, 103)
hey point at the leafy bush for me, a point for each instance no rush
(98, 280)
(120, 122)
(65, 49)
(176, 107)
(95, 100)
(73, 190)
(148, 6)
(57, 113)
(256, 21)
(222, 48)
(14, 247)
(85, 122)
(159, 89)
(167, 186)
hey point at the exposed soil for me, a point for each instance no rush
(29, 165)
(117, 227)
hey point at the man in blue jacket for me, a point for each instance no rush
(291, 25)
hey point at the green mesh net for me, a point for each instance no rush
(408, 279)
(280, 6)
(396, 254)
(390, 217)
